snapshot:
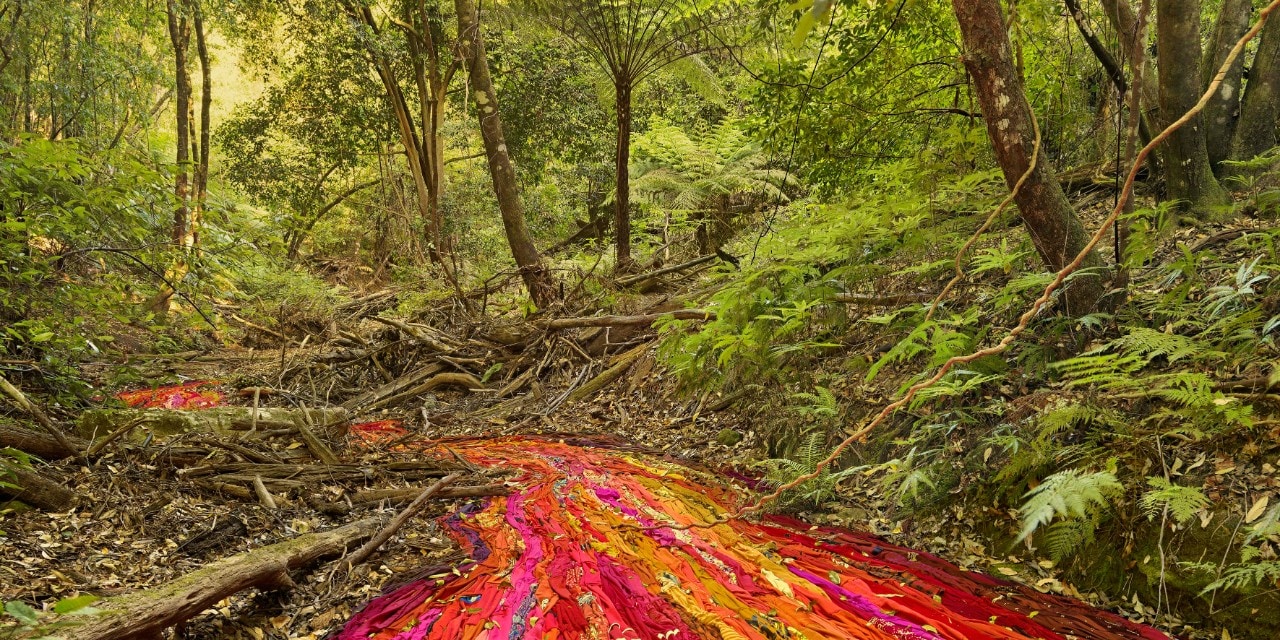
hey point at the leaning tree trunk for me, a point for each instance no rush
(1189, 174)
(1259, 109)
(1125, 21)
(1053, 225)
(622, 200)
(537, 278)
(1220, 113)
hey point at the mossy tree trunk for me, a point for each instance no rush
(1189, 173)
(1255, 131)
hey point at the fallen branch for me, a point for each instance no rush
(403, 496)
(392, 527)
(146, 613)
(37, 443)
(392, 388)
(464, 380)
(616, 321)
(611, 374)
(636, 279)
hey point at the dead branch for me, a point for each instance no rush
(611, 374)
(636, 279)
(640, 320)
(20, 400)
(37, 443)
(392, 527)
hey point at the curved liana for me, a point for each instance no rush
(573, 552)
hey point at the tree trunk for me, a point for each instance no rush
(1220, 113)
(622, 183)
(202, 160)
(1259, 109)
(1122, 17)
(537, 278)
(1188, 172)
(180, 36)
(1054, 227)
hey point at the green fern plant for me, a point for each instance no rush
(1183, 503)
(1069, 495)
(812, 492)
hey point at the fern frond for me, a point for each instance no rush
(1068, 494)
(1184, 503)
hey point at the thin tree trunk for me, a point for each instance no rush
(1189, 174)
(537, 278)
(1259, 109)
(180, 35)
(622, 200)
(1125, 22)
(206, 101)
(1054, 227)
(1220, 113)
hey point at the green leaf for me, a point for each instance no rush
(69, 605)
(23, 612)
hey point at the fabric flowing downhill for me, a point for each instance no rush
(562, 557)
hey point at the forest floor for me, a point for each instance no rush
(148, 515)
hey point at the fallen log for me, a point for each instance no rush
(624, 321)
(34, 489)
(146, 613)
(37, 443)
(21, 401)
(96, 423)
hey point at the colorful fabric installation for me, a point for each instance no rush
(571, 553)
(191, 395)
(377, 432)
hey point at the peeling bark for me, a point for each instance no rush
(1055, 229)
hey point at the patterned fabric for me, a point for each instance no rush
(563, 557)
(377, 432)
(192, 395)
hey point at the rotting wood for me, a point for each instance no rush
(147, 613)
(611, 374)
(392, 527)
(35, 489)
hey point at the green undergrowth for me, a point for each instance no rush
(1134, 447)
